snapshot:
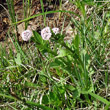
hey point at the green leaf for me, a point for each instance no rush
(48, 12)
(42, 7)
(97, 35)
(43, 79)
(53, 96)
(70, 87)
(54, 99)
(38, 39)
(18, 59)
(45, 99)
(61, 90)
(99, 98)
(76, 41)
(7, 96)
(62, 52)
(38, 105)
(75, 94)
(30, 85)
(56, 63)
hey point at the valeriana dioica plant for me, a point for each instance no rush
(59, 74)
(66, 59)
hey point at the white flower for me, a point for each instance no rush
(26, 35)
(55, 30)
(46, 33)
(46, 36)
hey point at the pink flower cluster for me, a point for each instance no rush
(46, 33)
(26, 35)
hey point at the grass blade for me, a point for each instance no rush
(49, 12)
(99, 98)
(38, 105)
(7, 96)
(42, 6)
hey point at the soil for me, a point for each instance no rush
(3, 18)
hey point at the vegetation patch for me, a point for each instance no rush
(54, 55)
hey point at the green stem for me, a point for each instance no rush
(76, 56)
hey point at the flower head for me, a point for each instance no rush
(55, 30)
(46, 33)
(26, 35)
(46, 36)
